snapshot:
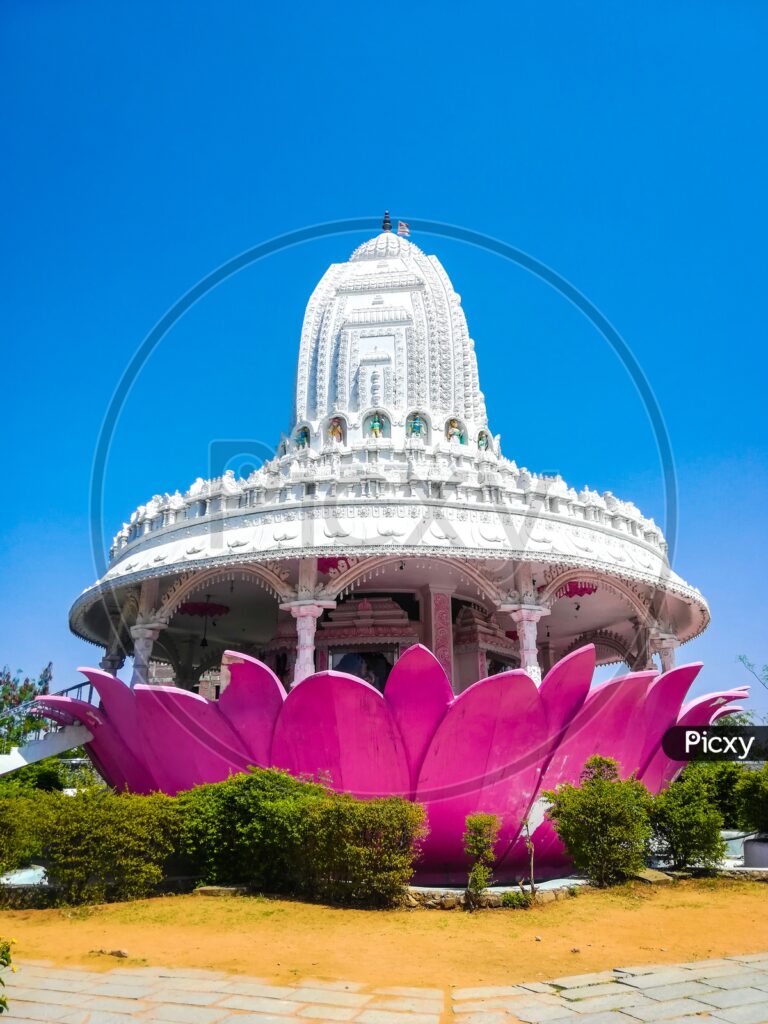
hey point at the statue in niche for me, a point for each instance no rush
(482, 441)
(416, 426)
(376, 426)
(335, 430)
(454, 432)
(302, 437)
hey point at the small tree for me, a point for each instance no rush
(752, 794)
(482, 831)
(720, 778)
(603, 822)
(686, 824)
(15, 693)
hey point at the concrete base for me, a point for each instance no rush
(756, 852)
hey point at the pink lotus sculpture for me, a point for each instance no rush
(493, 748)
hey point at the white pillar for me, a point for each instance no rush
(526, 617)
(144, 636)
(306, 614)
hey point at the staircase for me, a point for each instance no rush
(52, 738)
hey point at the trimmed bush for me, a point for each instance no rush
(21, 825)
(752, 796)
(721, 779)
(278, 834)
(482, 831)
(99, 846)
(603, 822)
(243, 831)
(686, 824)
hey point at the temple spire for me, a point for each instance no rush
(386, 224)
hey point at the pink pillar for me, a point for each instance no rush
(441, 628)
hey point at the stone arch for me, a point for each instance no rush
(607, 641)
(612, 584)
(359, 569)
(194, 581)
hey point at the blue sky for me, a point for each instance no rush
(145, 144)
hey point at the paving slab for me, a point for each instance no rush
(491, 1017)
(328, 997)
(608, 1017)
(651, 1012)
(54, 998)
(408, 1003)
(95, 1017)
(656, 979)
(502, 1004)
(38, 1011)
(682, 990)
(606, 989)
(736, 997)
(744, 1014)
(741, 980)
(392, 1017)
(254, 1018)
(254, 987)
(187, 1014)
(541, 987)
(580, 980)
(188, 997)
(329, 1012)
(258, 1004)
(542, 1013)
(119, 990)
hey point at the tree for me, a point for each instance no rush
(720, 778)
(752, 793)
(687, 823)
(15, 693)
(604, 821)
(482, 831)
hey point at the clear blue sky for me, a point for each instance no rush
(144, 144)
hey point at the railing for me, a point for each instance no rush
(84, 691)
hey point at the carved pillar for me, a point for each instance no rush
(144, 636)
(526, 617)
(112, 661)
(441, 628)
(665, 644)
(643, 658)
(306, 614)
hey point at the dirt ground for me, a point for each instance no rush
(280, 941)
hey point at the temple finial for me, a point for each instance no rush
(386, 224)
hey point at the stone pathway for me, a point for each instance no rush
(733, 990)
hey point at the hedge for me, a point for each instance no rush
(265, 830)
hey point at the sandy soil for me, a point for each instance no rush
(281, 941)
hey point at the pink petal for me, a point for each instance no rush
(662, 706)
(418, 692)
(186, 739)
(565, 688)
(661, 769)
(251, 703)
(116, 762)
(486, 757)
(336, 726)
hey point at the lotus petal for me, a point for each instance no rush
(251, 703)
(661, 769)
(486, 756)
(187, 741)
(418, 692)
(662, 706)
(565, 688)
(335, 725)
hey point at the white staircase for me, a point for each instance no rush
(49, 745)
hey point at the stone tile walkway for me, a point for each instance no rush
(733, 990)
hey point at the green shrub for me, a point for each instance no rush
(480, 836)
(99, 846)
(6, 961)
(278, 834)
(752, 795)
(686, 824)
(721, 779)
(240, 831)
(603, 822)
(355, 851)
(21, 823)
(47, 775)
(516, 900)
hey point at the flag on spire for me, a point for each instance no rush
(403, 228)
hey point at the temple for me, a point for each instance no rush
(388, 516)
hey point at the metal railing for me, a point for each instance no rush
(83, 691)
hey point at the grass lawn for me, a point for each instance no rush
(279, 940)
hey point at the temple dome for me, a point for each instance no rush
(385, 331)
